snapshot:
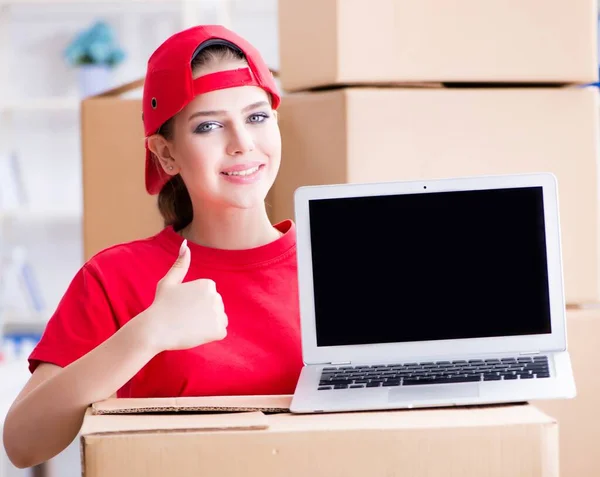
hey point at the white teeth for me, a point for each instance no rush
(247, 172)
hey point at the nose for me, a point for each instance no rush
(240, 141)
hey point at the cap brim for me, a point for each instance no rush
(156, 178)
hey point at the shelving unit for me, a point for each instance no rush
(26, 214)
(42, 104)
(188, 8)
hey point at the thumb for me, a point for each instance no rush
(179, 269)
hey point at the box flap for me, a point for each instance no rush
(139, 83)
(119, 90)
(119, 424)
(268, 403)
(501, 415)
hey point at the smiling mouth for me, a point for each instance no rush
(246, 172)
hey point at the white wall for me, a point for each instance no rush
(47, 141)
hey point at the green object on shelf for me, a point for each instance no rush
(96, 45)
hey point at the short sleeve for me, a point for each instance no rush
(82, 320)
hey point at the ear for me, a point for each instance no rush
(161, 148)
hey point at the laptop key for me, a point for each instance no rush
(414, 382)
(536, 368)
(336, 382)
(392, 382)
(465, 378)
(324, 388)
(492, 377)
(441, 380)
(423, 381)
(374, 384)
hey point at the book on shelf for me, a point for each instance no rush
(13, 193)
(20, 292)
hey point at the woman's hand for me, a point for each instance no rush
(185, 315)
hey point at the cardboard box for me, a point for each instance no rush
(236, 439)
(325, 43)
(579, 418)
(116, 207)
(385, 134)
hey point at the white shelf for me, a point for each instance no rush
(23, 323)
(38, 215)
(46, 2)
(41, 104)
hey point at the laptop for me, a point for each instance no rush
(430, 293)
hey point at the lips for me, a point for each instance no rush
(242, 169)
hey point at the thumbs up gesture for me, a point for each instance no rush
(185, 315)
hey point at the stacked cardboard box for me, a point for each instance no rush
(428, 89)
(256, 436)
(406, 90)
(373, 93)
(579, 418)
(116, 207)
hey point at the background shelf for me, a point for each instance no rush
(42, 104)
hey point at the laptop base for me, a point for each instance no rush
(308, 398)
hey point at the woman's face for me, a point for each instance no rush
(226, 145)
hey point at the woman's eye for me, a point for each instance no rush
(206, 127)
(257, 118)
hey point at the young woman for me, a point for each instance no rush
(207, 306)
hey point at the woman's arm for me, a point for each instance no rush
(48, 413)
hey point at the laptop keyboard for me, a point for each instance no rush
(434, 372)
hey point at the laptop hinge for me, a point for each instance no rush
(339, 363)
(529, 352)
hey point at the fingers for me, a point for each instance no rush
(221, 310)
(179, 269)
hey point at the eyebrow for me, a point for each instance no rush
(221, 112)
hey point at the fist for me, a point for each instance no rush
(186, 315)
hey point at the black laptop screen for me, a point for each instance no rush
(430, 266)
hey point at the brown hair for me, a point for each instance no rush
(174, 202)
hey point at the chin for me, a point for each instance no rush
(245, 201)
(247, 197)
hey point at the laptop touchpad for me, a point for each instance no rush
(427, 392)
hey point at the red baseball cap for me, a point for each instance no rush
(169, 85)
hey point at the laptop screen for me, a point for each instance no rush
(431, 266)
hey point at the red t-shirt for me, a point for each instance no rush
(261, 353)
